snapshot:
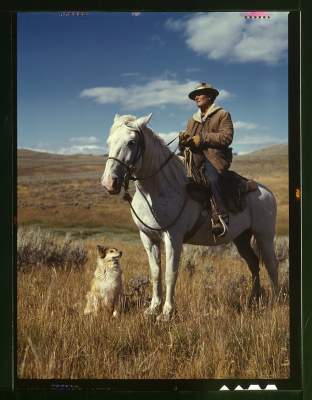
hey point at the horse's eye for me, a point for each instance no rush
(131, 143)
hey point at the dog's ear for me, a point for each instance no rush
(101, 250)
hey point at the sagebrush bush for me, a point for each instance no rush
(282, 248)
(39, 246)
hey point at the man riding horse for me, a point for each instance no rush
(207, 137)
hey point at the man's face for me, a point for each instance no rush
(202, 100)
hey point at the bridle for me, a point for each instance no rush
(129, 177)
(139, 153)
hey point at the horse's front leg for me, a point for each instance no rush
(153, 253)
(173, 247)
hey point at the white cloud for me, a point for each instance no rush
(168, 137)
(256, 140)
(82, 149)
(250, 134)
(168, 75)
(175, 24)
(84, 139)
(246, 142)
(105, 94)
(229, 36)
(156, 92)
(248, 126)
(158, 39)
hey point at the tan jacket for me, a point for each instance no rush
(216, 131)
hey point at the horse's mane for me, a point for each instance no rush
(124, 119)
(154, 138)
(159, 146)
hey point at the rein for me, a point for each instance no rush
(129, 176)
(133, 178)
(128, 198)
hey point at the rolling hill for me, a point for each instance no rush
(64, 191)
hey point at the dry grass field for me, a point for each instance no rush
(214, 334)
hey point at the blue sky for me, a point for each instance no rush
(75, 72)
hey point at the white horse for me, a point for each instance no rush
(163, 211)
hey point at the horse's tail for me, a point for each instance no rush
(255, 246)
(267, 257)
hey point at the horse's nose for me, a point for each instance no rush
(110, 184)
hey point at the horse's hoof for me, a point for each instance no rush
(256, 297)
(253, 302)
(151, 312)
(164, 317)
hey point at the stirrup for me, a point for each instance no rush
(219, 228)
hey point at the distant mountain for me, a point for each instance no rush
(33, 154)
(25, 153)
(275, 150)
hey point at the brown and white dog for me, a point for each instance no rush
(106, 285)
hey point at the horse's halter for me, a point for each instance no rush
(140, 148)
(139, 153)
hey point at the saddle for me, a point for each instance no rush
(234, 189)
(200, 192)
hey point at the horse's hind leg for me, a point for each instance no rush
(242, 242)
(153, 253)
(267, 251)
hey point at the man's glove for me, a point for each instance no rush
(195, 141)
(184, 137)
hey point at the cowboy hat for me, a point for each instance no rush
(203, 88)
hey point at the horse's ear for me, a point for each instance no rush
(143, 121)
(117, 116)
